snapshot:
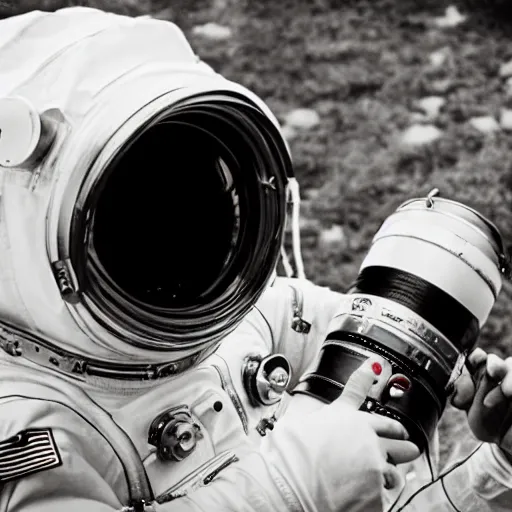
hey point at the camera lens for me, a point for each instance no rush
(424, 290)
(428, 301)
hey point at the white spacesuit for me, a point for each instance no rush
(128, 386)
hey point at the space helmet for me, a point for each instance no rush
(143, 195)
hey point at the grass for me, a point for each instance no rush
(362, 65)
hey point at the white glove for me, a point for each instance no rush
(489, 406)
(335, 457)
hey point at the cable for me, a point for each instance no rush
(286, 262)
(429, 461)
(427, 454)
(448, 497)
(293, 185)
(440, 477)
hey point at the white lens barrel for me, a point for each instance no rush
(446, 244)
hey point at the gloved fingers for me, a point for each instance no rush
(464, 392)
(494, 397)
(360, 382)
(506, 387)
(386, 427)
(392, 477)
(391, 456)
(498, 370)
(503, 392)
(477, 357)
(506, 383)
(496, 367)
(464, 387)
(398, 451)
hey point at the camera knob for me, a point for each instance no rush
(174, 434)
(398, 385)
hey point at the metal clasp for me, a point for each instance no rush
(266, 424)
(430, 197)
(298, 323)
(140, 506)
(66, 281)
(10, 343)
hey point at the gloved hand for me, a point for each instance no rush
(489, 406)
(336, 457)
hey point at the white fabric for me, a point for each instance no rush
(99, 70)
(446, 240)
(281, 471)
(289, 469)
(436, 266)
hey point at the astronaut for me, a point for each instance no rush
(147, 346)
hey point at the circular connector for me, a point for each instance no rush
(266, 379)
(20, 131)
(174, 434)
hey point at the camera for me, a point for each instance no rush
(424, 290)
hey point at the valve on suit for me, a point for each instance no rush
(266, 379)
(175, 434)
(25, 135)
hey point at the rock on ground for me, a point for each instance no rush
(484, 124)
(302, 119)
(506, 69)
(452, 17)
(506, 119)
(333, 238)
(431, 106)
(212, 31)
(419, 135)
(440, 86)
(440, 57)
(288, 132)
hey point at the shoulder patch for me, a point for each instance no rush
(28, 452)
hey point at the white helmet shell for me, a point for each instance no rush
(87, 83)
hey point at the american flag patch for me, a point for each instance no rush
(28, 452)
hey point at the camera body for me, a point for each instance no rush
(424, 290)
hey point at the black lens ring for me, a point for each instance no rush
(441, 310)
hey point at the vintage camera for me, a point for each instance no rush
(424, 290)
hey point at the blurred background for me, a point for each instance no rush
(381, 101)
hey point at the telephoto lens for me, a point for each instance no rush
(424, 291)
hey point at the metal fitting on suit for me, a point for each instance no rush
(266, 379)
(175, 434)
